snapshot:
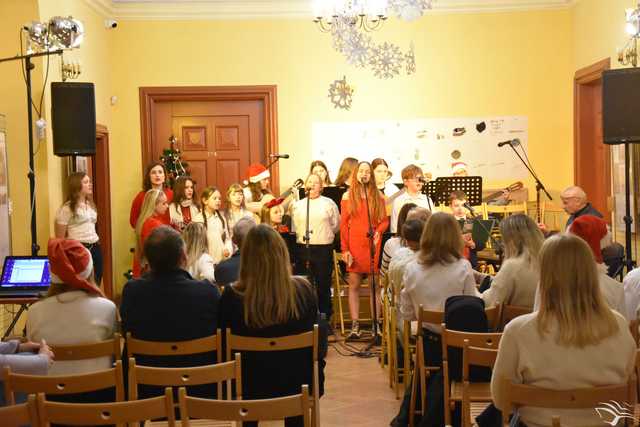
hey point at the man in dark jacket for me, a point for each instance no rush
(166, 304)
(227, 270)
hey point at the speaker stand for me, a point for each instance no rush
(628, 219)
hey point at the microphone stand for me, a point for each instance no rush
(539, 184)
(372, 276)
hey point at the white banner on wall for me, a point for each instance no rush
(432, 144)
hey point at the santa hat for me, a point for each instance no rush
(275, 202)
(458, 167)
(592, 230)
(257, 172)
(71, 265)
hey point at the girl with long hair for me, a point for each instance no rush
(76, 219)
(517, 279)
(236, 207)
(152, 216)
(267, 301)
(155, 177)
(345, 172)
(354, 239)
(272, 214)
(199, 263)
(318, 167)
(382, 174)
(220, 246)
(184, 206)
(257, 191)
(440, 270)
(573, 341)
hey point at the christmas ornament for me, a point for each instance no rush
(340, 94)
(386, 60)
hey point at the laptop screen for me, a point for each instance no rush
(25, 273)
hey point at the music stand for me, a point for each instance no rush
(440, 189)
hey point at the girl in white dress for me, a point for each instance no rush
(220, 246)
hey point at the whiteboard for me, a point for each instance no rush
(5, 223)
(428, 143)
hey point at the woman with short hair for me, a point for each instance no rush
(573, 341)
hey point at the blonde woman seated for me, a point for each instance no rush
(517, 280)
(75, 310)
(439, 271)
(574, 341)
(199, 263)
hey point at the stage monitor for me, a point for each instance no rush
(73, 117)
(621, 106)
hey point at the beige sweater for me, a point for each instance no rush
(515, 284)
(526, 357)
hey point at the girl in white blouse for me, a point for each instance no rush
(236, 207)
(184, 208)
(77, 217)
(199, 263)
(220, 246)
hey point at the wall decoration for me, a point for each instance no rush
(386, 60)
(410, 61)
(340, 94)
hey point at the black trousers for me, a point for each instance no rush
(96, 256)
(319, 273)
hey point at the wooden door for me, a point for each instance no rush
(592, 158)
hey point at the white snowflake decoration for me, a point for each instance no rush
(357, 49)
(410, 10)
(341, 32)
(410, 61)
(340, 94)
(386, 60)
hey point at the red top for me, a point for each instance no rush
(136, 206)
(353, 235)
(149, 225)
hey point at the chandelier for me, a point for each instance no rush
(368, 15)
(628, 55)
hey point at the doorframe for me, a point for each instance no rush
(584, 77)
(150, 95)
(103, 203)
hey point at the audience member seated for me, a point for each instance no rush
(227, 270)
(199, 262)
(75, 310)
(575, 203)
(24, 358)
(574, 341)
(438, 272)
(517, 279)
(267, 301)
(166, 304)
(631, 285)
(394, 243)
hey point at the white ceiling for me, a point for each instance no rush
(242, 9)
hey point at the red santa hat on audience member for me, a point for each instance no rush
(592, 230)
(458, 167)
(257, 172)
(71, 264)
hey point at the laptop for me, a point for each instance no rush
(25, 276)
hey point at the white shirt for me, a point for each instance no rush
(175, 214)
(82, 225)
(391, 246)
(324, 220)
(431, 286)
(419, 199)
(203, 268)
(72, 318)
(515, 284)
(631, 284)
(215, 231)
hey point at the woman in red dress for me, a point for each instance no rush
(354, 228)
(154, 208)
(155, 177)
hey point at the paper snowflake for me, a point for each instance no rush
(340, 94)
(410, 10)
(410, 61)
(342, 30)
(386, 60)
(357, 49)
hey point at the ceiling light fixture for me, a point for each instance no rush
(628, 55)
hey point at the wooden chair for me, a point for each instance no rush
(395, 372)
(510, 312)
(290, 342)
(245, 410)
(59, 385)
(20, 415)
(107, 413)
(633, 328)
(553, 216)
(88, 351)
(505, 210)
(516, 395)
(187, 376)
(176, 348)
(453, 389)
(475, 356)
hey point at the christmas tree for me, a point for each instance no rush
(173, 162)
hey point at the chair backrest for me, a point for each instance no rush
(510, 312)
(493, 316)
(516, 395)
(20, 415)
(88, 351)
(457, 339)
(245, 410)
(476, 356)
(633, 328)
(429, 316)
(289, 342)
(107, 413)
(174, 348)
(507, 209)
(188, 376)
(66, 384)
(553, 216)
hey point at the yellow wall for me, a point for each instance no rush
(468, 65)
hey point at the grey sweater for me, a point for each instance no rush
(32, 364)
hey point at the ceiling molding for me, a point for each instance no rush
(280, 9)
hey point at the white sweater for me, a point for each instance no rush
(515, 284)
(72, 318)
(203, 268)
(527, 358)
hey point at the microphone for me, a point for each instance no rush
(422, 179)
(512, 142)
(468, 207)
(279, 156)
(364, 180)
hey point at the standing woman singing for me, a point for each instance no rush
(318, 167)
(236, 207)
(184, 207)
(382, 174)
(76, 219)
(155, 176)
(354, 239)
(152, 216)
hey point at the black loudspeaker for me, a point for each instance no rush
(73, 117)
(621, 106)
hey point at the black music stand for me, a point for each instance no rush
(440, 189)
